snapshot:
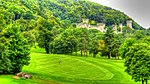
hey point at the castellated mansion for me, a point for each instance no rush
(101, 26)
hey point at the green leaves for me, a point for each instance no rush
(125, 46)
(65, 43)
(109, 38)
(14, 52)
(96, 44)
(137, 61)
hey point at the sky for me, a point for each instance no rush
(138, 10)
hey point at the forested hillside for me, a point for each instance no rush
(69, 11)
(75, 10)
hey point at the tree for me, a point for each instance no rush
(118, 40)
(139, 34)
(127, 29)
(124, 48)
(82, 37)
(45, 34)
(108, 38)
(65, 43)
(137, 62)
(146, 40)
(14, 52)
(96, 44)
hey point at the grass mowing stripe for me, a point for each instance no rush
(119, 77)
(108, 74)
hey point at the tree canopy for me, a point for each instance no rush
(137, 62)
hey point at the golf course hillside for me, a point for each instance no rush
(64, 69)
(71, 42)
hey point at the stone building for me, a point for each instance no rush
(115, 28)
(85, 24)
(101, 26)
(129, 23)
(121, 27)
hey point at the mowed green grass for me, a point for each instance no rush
(46, 69)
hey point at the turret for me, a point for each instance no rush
(121, 27)
(129, 23)
(114, 27)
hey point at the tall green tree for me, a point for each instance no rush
(83, 41)
(137, 62)
(124, 48)
(96, 44)
(118, 40)
(65, 43)
(45, 34)
(109, 38)
(14, 52)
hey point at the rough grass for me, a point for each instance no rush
(46, 69)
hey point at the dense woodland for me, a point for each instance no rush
(50, 24)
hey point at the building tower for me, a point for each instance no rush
(129, 23)
(121, 27)
(114, 28)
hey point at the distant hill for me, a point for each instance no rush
(69, 11)
(75, 10)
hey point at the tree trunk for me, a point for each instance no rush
(142, 81)
(146, 81)
(76, 53)
(84, 49)
(109, 55)
(46, 45)
(71, 51)
(81, 52)
(94, 55)
(84, 53)
(47, 50)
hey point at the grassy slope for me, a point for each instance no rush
(46, 69)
